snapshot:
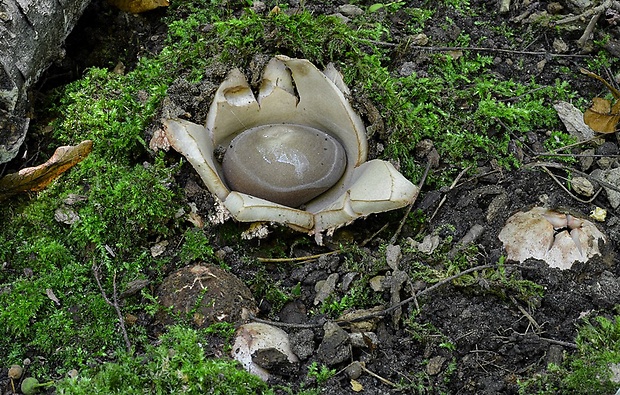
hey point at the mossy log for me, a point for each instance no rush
(32, 34)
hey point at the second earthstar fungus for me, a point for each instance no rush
(556, 238)
(298, 137)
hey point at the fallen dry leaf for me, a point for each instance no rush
(356, 386)
(50, 294)
(38, 177)
(138, 6)
(602, 116)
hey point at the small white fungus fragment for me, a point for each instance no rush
(556, 238)
(255, 337)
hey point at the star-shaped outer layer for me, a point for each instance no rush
(293, 91)
(556, 238)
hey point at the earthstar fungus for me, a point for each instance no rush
(556, 238)
(296, 153)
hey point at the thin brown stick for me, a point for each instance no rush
(555, 151)
(114, 304)
(566, 189)
(375, 375)
(477, 49)
(476, 177)
(252, 317)
(526, 314)
(587, 33)
(585, 14)
(559, 342)
(363, 243)
(299, 258)
(578, 155)
(572, 170)
(417, 295)
(454, 183)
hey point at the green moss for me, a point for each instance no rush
(178, 365)
(196, 246)
(588, 370)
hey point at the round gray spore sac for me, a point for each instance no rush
(284, 163)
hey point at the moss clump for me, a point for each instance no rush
(589, 369)
(178, 365)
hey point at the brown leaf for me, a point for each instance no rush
(356, 386)
(38, 177)
(138, 6)
(602, 117)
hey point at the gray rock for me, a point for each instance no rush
(393, 255)
(325, 288)
(341, 17)
(350, 10)
(32, 38)
(364, 340)
(611, 176)
(606, 291)
(582, 186)
(285, 164)
(302, 343)
(607, 148)
(347, 279)
(407, 69)
(555, 354)
(335, 347)
(275, 361)
(434, 365)
(354, 371)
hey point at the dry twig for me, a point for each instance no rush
(454, 183)
(417, 295)
(572, 170)
(567, 191)
(113, 303)
(299, 258)
(526, 314)
(478, 49)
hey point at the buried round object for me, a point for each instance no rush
(284, 163)
(207, 292)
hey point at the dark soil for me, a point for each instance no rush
(478, 339)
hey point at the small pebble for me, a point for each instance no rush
(354, 370)
(350, 10)
(582, 186)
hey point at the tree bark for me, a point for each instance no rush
(32, 34)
